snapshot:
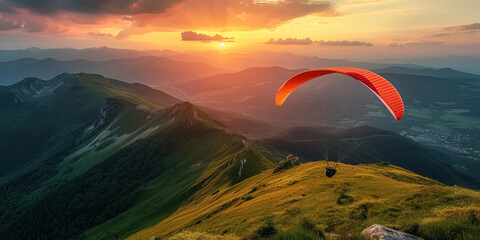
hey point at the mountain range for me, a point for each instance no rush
(90, 157)
(157, 68)
(235, 61)
(86, 156)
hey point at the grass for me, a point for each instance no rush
(187, 235)
(367, 196)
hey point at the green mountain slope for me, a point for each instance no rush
(144, 182)
(38, 115)
(130, 149)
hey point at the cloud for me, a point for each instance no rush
(440, 34)
(34, 26)
(193, 36)
(457, 30)
(93, 6)
(473, 26)
(345, 43)
(366, 2)
(136, 17)
(225, 15)
(417, 44)
(9, 24)
(290, 41)
(423, 44)
(30, 23)
(6, 7)
(308, 41)
(99, 34)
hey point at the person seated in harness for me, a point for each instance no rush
(330, 171)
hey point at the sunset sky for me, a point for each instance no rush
(342, 28)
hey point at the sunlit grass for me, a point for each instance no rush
(357, 197)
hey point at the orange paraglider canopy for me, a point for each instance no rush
(384, 90)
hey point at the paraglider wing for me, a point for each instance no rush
(385, 91)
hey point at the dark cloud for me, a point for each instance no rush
(193, 36)
(29, 23)
(9, 24)
(99, 34)
(290, 41)
(345, 43)
(6, 7)
(93, 6)
(473, 26)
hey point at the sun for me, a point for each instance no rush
(222, 44)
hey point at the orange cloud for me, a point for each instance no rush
(224, 15)
(345, 43)
(417, 44)
(290, 41)
(473, 26)
(99, 34)
(135, 17)
(193, 36)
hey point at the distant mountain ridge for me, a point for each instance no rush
(68, 54)
(441, 73)
(462, 63)
(150, 70)
(236, 61)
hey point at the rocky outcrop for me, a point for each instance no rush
(289, 162)
(25, 89)
(110, 108)
(379, 232)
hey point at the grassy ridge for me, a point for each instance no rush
(357, 197)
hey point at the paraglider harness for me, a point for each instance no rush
(331, 170)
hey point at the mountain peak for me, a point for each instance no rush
(63, 77)
(184, 110)
(183, 107)
(187, 112)
(30, 82)
(26, 88)
(73, 78)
